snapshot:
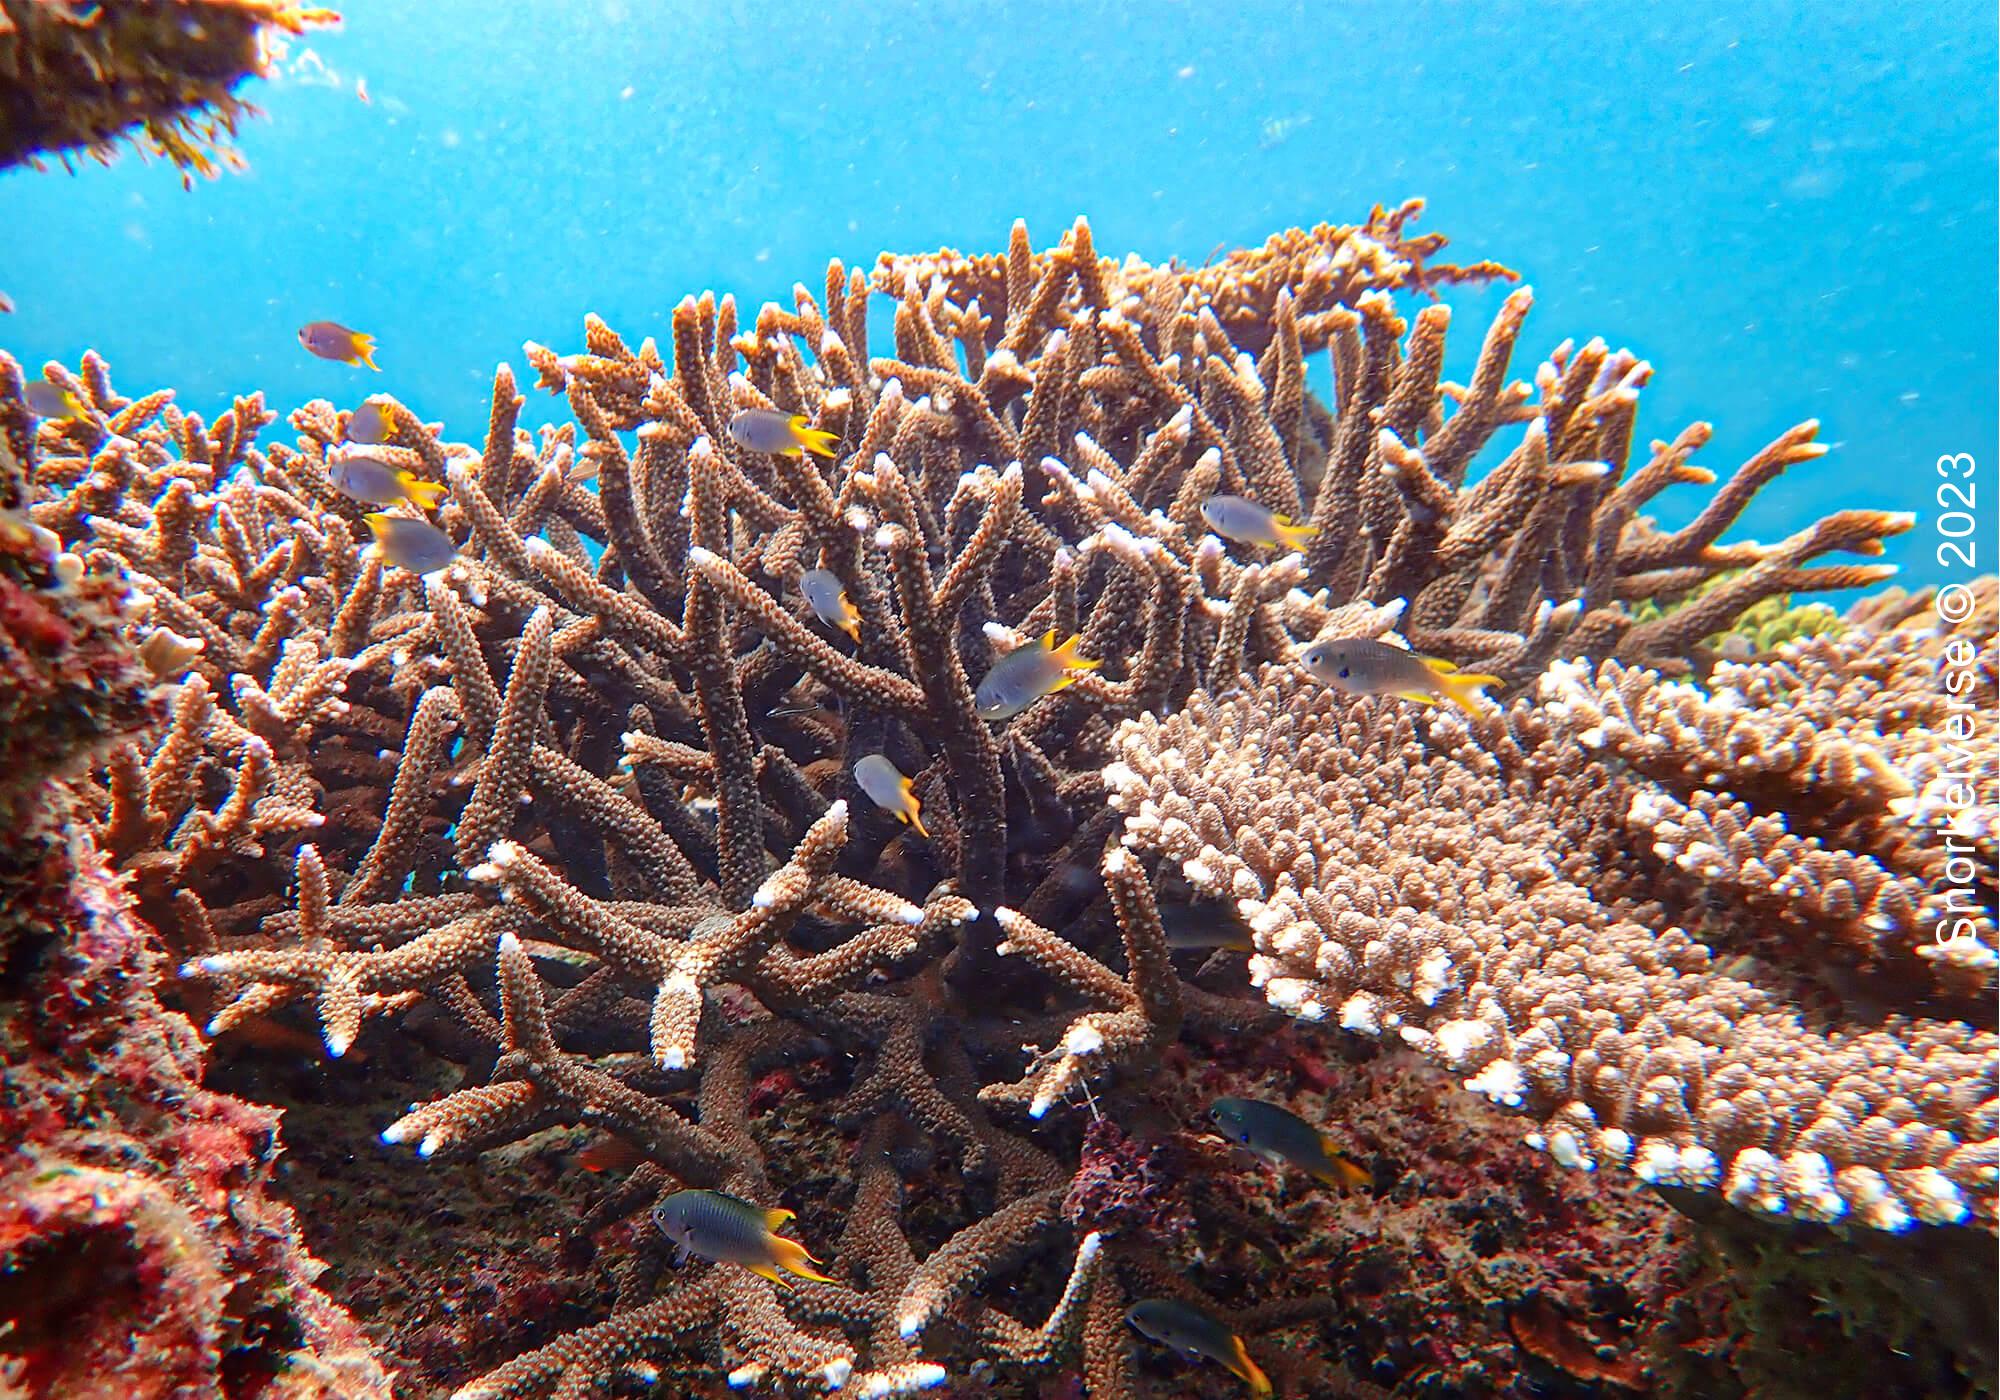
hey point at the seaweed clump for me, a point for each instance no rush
(161, 76)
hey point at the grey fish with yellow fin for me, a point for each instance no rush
(828, 599)
(888, 789)
(780, 434)
(732, 1231)
(1025, 674)
(1193, 1333)
(1280, 1137)
(1243, 520)
(416, 545)
(1364, 666)
(376, 483)
(1205, 925)
(46, 400)
(370, 425)
(330, 340)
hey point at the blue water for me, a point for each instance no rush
(1789, 210)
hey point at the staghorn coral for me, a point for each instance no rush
(1761, 628)
(161, 76)
(1476, 892)
(574, 813)
(143, 1252)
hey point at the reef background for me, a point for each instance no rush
(1472, 1265)
(1790, 207)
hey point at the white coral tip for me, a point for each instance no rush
(1083, 1039)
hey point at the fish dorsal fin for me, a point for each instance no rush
(778, 1216)
(1440, 665)
(1048, 642)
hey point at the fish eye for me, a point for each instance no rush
(1243, 1137)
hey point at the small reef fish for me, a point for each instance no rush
(1363, 666)
(829, 601)
(1025, 674)
(780, 434)
(1280, 1136)
(332, 341)
(732, 1231)
(1204, 926)
(369, 425)
(416, 545)
(1193, 1333)
(1243, 520)
(46, 400)
(379, 484)
(609, 1153)
(886, 786)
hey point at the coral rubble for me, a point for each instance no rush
(574, 816)
(77, 77)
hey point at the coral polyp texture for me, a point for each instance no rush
(571, 821)
(1694, 933)
(82, 78)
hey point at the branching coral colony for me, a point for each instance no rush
(588, 789)
(161, 76)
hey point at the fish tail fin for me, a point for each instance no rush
(1067, 656)
(792, 1257)
(378, 522)
(1339, 1169)
(913, 812)
(771, 1273)
(850, 620)
(1462, 688)
(817, 441)
(364, 351)
(1241, 1365)
(425, 494)
(1291, 532)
